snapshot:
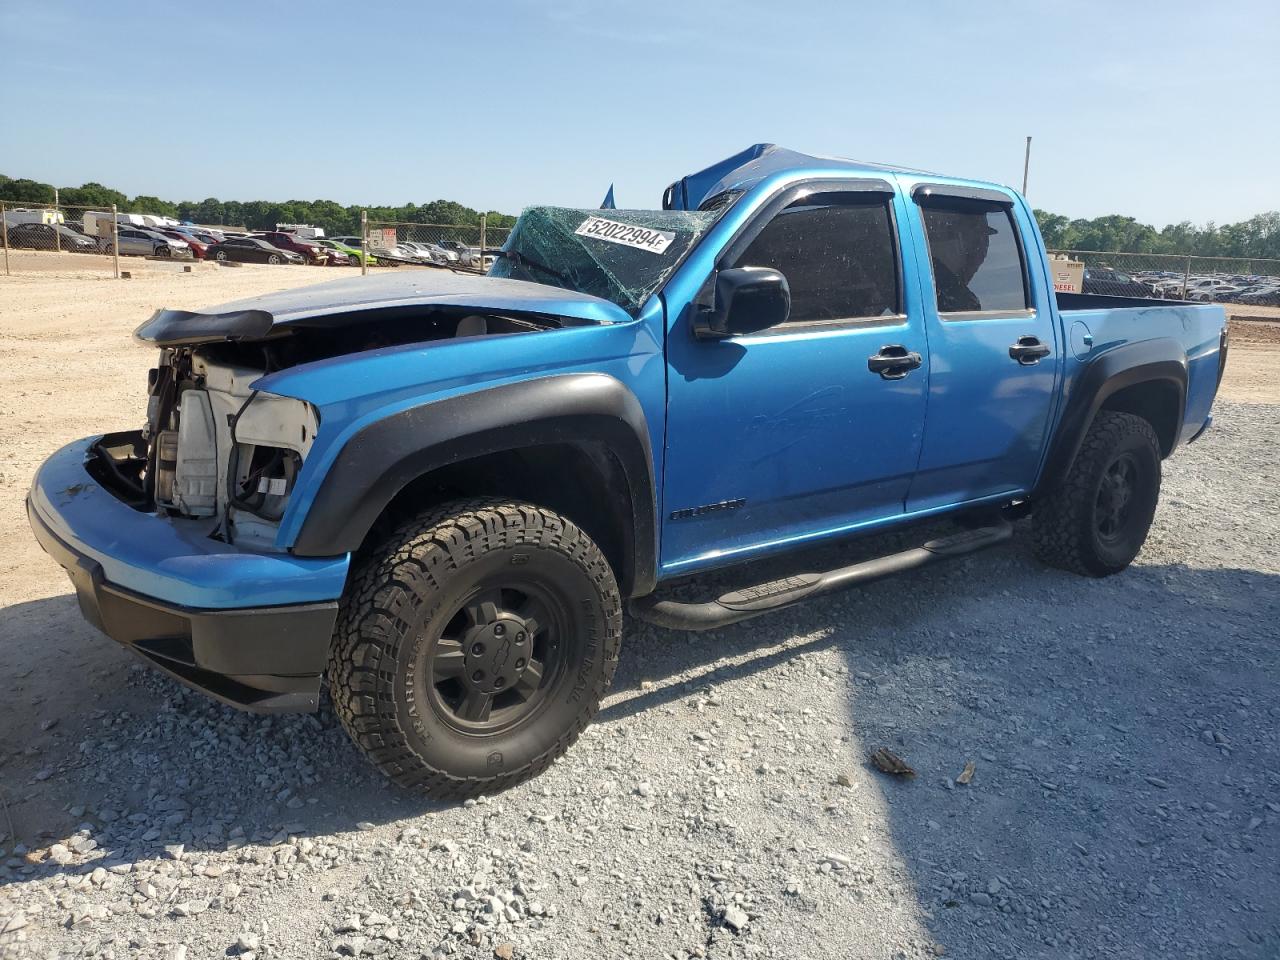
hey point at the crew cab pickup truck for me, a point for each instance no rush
(438, 491)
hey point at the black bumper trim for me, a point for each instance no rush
(263, 659)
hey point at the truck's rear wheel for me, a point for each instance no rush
(474, 646)
(1097, 520)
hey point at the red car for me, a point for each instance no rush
(198, 247)
(313, 253)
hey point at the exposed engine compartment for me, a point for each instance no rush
(213, 447)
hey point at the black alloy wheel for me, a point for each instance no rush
(490, 668)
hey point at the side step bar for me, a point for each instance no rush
(766, 597)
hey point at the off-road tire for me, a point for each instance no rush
(1065, 527)
(398, 598)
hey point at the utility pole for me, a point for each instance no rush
(364, 243)
(1026, 167)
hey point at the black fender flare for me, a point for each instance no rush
(1160, 360)
(579, 409)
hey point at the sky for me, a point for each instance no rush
(1163, 111)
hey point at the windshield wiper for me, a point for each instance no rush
(519, 259)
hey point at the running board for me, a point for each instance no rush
(766, 597)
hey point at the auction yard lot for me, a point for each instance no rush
(1126, 800)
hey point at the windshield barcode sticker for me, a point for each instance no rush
(642, 238)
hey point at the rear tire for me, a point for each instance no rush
(1095, 523)
(474, 646)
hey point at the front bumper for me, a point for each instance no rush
(251, 629)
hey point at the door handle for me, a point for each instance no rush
(894, 361)
(1028, 350)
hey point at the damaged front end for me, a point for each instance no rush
(215, 447)
(218, 447)
(181, 537)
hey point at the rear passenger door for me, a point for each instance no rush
(794, 433)
(993, 345)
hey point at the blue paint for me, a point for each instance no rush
(171, 560)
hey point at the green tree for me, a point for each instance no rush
(93, 195)
(26, 191)
(153, 205)
(1053, 227)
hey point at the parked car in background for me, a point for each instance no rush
(1165, 287)
(422, 251)
(353, 254)
(444, 254)
(251, 250)
(1104, 281)
(1210, 289)
(457, 246)
(198, 247)
(149, 243)
(1264, 295)
(309, 250)
(336, 257)
(303, 231)
(44, 236)
(206, 237)
(388, 256)
(101, 244)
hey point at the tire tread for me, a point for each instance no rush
(1059, 522)
(374, 622)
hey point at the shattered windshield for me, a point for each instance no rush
(618, 255)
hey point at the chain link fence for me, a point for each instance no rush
(1231, 280)
(456, 246)
(80, 239)
(65, 238)
(61, 238)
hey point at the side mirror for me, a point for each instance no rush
(747, 300)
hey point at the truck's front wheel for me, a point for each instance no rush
(474, 646)
(1097, 520)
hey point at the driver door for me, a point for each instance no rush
(789, 434)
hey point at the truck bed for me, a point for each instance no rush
(1193, 334)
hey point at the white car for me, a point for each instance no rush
(425, 251)
(1208, 289)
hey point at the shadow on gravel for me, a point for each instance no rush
(100, 752)
(1124, 799)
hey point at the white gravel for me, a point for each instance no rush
(1126, 800)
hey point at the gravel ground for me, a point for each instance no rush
(1125, 801)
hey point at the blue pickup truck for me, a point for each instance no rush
(437, 491)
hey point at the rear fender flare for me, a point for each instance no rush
(579, 409)
(1161, 360)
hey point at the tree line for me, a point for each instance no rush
(336, 219)
(1257, 237)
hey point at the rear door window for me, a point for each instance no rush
(976, 256)
(839, 254)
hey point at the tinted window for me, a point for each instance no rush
(838, 253)
(976, 261)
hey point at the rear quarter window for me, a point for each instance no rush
(976, 256)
